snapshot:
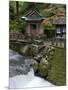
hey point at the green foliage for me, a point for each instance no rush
(11, 10)
(13, 25)
(45, 13)
(17, 26)
(18, 9)
(59, 5)
(50, 33)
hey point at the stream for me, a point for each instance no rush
(21, 73)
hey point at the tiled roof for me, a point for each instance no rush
(32, 15)
(60, 20)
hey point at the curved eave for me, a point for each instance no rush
(32, 19)
(61, 24)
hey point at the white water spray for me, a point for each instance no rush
(27, 80)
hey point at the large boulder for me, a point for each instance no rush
(32, 50)
(43, 67)
(24, 49)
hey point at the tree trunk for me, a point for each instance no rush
(17, 9)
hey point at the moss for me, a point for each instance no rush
(43, 67)
(33, 49)
(57, 73)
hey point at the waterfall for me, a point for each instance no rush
(22, 75)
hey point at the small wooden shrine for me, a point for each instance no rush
(34, 24)
(60, 23)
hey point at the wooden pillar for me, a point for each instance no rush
(65, 43)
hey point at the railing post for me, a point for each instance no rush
(65, 43)
(52, 41)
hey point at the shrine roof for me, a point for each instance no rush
(60, 21)
(32, 15)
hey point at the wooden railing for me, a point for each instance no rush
(19, 37)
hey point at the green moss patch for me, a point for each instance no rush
(57, 73)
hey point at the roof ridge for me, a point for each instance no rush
(30, 12)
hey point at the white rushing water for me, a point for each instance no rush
(28, 80)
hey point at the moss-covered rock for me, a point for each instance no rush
(44, 51)
(43, 67)
(32, 50)
(24, 49)
(38, 57)
(48, 52)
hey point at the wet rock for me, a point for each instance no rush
(24, 49)
(35, 66)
